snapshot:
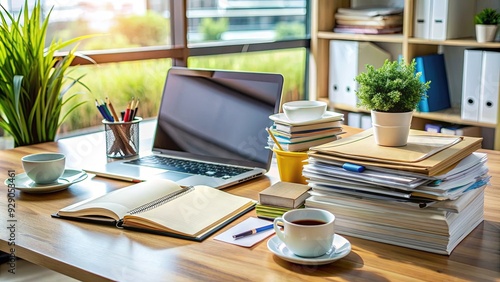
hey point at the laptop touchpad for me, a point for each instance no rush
(174, 176)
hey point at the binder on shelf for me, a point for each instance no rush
(433, 69)
(366, 121)
(354, 120)
(471, 84)
(460, 130)
(347, 60)
(490, 86)
(422, 18)
(433, 127)
(452, 19)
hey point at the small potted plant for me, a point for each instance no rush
(392, 92)
(486, 25)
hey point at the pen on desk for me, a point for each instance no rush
(253, 231)
(110, 106)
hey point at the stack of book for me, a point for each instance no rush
(279, 198)
(362, 20)
(427, 195)
(300, 136)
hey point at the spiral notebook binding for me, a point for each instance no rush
(161, 201)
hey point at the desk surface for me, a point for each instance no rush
(92, 252)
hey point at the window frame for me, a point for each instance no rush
(180, 51)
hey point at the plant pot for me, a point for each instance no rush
(391, 129)
(485, 33)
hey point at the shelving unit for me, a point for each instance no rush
(323, 22)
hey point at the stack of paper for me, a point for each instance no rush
(427, 195)
(369, 20)
(300, 136)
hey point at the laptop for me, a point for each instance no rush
(211, 129)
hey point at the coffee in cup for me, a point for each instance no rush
(44, 168)
(307, 232)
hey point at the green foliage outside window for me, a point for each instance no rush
(213, 29)
(286, 30)
(144, 30)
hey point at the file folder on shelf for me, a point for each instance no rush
(433, 69)
(471, 84)
(422, 18)
(490, 86)
(347, 60)
(448, 18)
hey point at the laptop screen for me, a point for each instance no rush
(218, 116)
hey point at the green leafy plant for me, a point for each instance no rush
(487, 16)
(33, 80)
(394, 87)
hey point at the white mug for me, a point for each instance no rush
(44, 168)
(307, 232)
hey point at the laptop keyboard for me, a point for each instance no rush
(191, 167)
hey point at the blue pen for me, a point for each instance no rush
(253, 231)
(353, 167)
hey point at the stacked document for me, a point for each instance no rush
(369, 20)
(300, 136)
(427, 195)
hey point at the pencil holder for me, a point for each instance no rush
(290, 165)
(122, 138)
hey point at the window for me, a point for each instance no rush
(138, 40)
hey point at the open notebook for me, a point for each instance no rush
(164, 207)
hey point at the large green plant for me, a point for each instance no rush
(33, 80)
(394, 87)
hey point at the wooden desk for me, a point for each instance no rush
(92, 252)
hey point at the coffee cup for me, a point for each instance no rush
(44, 168)
(302, 111)
(307, 232)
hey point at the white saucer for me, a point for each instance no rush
(328, 116)
(341, 248)
(70, 176)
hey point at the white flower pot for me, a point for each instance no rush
(391, 129)
(485, 33)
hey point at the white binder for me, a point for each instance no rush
(452, 19)
(490, 87)
(347, 60)
(366, 121)
(471, 84)
(354, 119)
(422, 19)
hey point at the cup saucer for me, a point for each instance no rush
(70, 176)
(328, 116)
(341, 247)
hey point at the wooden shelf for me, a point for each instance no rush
(463, 42)
(451, 115)
(391, 38)
(323, 23)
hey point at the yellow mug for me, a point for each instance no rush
(290, 165)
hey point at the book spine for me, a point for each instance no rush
(423, 105)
